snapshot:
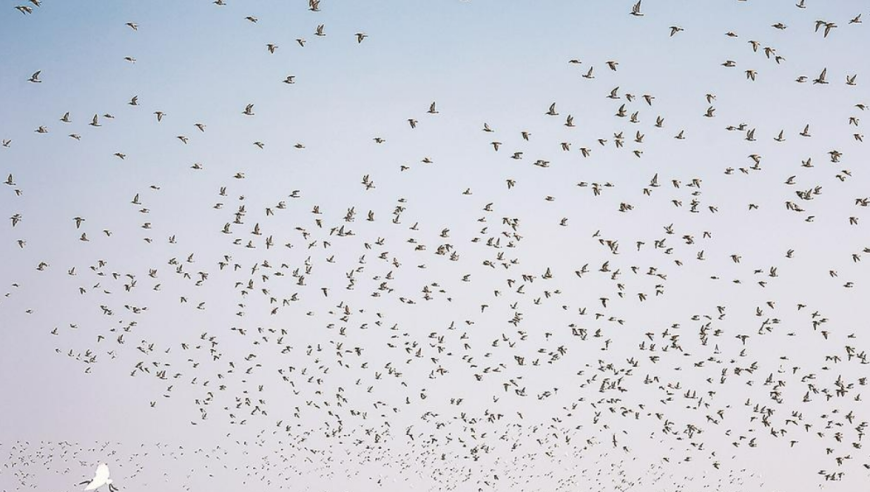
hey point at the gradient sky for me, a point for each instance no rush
(501, 63)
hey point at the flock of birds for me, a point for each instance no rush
(479, 350)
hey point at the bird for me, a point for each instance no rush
(35, 77)
(635, 9)
(101, 478)
(360, 36)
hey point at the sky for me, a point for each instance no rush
(482, 62)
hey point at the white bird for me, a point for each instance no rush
(101, 477)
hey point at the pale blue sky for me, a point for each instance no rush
(502, 63)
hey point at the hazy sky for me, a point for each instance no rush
(499, 63)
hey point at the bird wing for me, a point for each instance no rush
(101, 476)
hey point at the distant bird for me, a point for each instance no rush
(635, 10)
(360, 36)
(35, 77)
(551, 112)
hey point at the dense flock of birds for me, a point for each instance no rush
(474, 344)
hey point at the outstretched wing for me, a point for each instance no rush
(102, 473)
